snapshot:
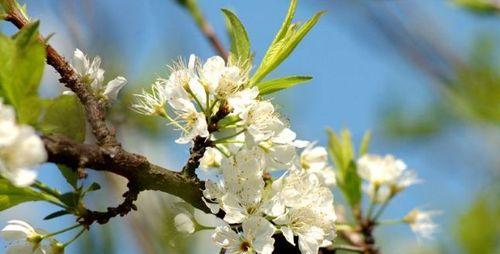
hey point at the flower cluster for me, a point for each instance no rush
(24, 239)
(386, 176)
(20, 149)
(91, 73)
(250, 142)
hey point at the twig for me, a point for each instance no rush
(204, 27)
(95, 110)
(123, 209)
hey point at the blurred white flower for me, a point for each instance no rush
(92, 74)
(380, 170)
(184, 223)
(22, 238)
(20, 149)
(256, 237)
(386, 176)
(421, 222)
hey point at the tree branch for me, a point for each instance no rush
(89, 217)
(135, 168)
(94, 109)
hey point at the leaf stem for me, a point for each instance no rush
(218, 141)
(61, 231)
(74, 238)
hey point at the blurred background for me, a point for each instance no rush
(423, 75)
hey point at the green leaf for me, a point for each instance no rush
(93, 187)
(286, 24)
(240, 44)
(29, 110)
(71, 199)
(56, 214)
(275, 85)
(11, 195)
(287, 39)
(365, 142)
(64, 115)
(69, 174)
(341, 151)
(351, 185)
(22, 59)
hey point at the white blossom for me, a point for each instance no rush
(152, 103)
(421, 223)
(259, 119)
(314, 159)
(279, 151)
(386, 176)
(256, 237)
(221, 80)
(22, 238)
(380, 170)
(239, 193)
(20, 149)
(91, 73)
(310, 212)
(113, 87)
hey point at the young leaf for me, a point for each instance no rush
(286, 24)
(93, 187)
(69, 175)
(275, 85)
(342, 153)
(240, 44)
(56, 214)
(64, 115)
(351, 185)
(365, 142)
(29, 110)
(11, 195)
(22, 60)
(70, 199)
(285, 42)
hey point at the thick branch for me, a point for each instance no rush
(95, 110)
(135, 168)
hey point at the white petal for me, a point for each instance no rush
(22, 248)
(23, 177)
(17, 230)
(80, 62)
(288, 234)
(199, 92)
(235, 213)
(113, 87)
